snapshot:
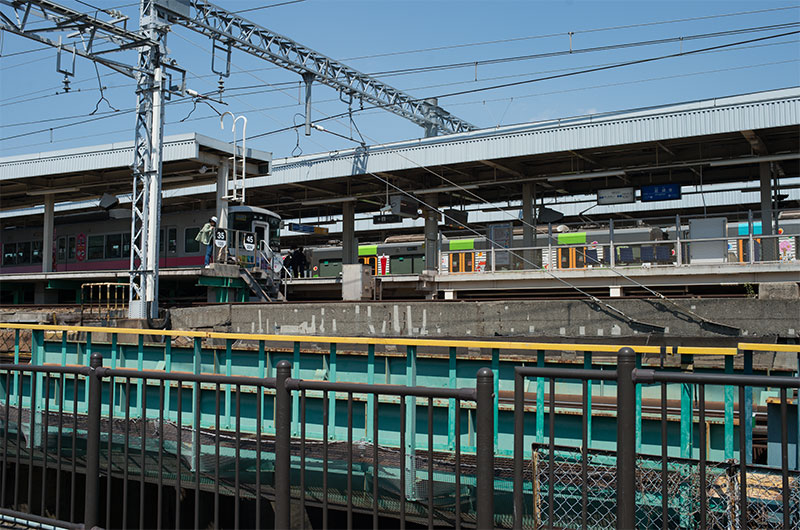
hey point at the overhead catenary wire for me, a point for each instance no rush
(593, 298)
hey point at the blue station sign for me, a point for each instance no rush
(661, 192)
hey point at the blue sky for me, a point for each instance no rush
(381, 36)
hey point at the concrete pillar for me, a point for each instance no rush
(47, 236)
(768, 245)
(528, 227)
(349, 246)
(432, 217)
(222, 191)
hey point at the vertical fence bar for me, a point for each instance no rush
(31, 438)
(638, 392)
(375, 442)
(126, 459)
(551, 453)
(458, 463)
(626, 440)
(703, 443)
(587, 364)
(196, 442)
(785, 459)
(143, 456)
(496, 372)
(237, 477)
(664, 456)
(296, 396)
(585, 453)
(18, 446)
(687, 420)
(402, 463)
(59, 444)
(519, 447)
(109, 447)
(430, 463)
(371, 403)
(452, 383)
(748, 406)
(742, 462)
(45, 429)
(540, 399)
(74, 476)
(91, 512)
(178, 450)
(160, 484)
(259, 424)
(5, 440)
(325, 413)
(729, 400)
(217, 413)
(303, 458)
(485, 449)
(283, 425)
(349, 460)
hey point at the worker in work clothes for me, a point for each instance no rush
(206, 237)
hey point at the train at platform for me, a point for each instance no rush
(96, 242)
(104, 244)
(562, 250)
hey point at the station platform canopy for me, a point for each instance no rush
(707, 142)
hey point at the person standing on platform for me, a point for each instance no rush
(206, 237)
(300, 263)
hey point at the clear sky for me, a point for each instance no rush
(381, 37)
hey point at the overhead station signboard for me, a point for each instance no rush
(404, 206)
(455, 218)
(661, 192)
(616, 196)
(307, 229)
(385, 219)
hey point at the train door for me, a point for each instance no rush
(167, 245)
(572, 257)
(462, 262)
(372, 261)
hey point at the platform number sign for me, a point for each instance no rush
(249, 241)
(220, 238)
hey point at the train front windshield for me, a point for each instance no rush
(266, 227)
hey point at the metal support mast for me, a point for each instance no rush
(148, 143)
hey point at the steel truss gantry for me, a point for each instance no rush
(233, 31)
(228, 31)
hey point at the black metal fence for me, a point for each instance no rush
(120, 448)
(579, 487)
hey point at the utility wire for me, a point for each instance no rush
(565, 33)
(267, 7)
(565, 282)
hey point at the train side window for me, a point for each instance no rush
(61, 252)
(190, 246)
(114, 246)
(10, 254)
(161, 243)
(71, 248)
(172, 240)
(36, 252)
(23, 253)
(126, 244)
(469, 259)
(96, 247)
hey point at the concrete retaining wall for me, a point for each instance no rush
(568, 319)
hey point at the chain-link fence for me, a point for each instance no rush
(764, 493)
